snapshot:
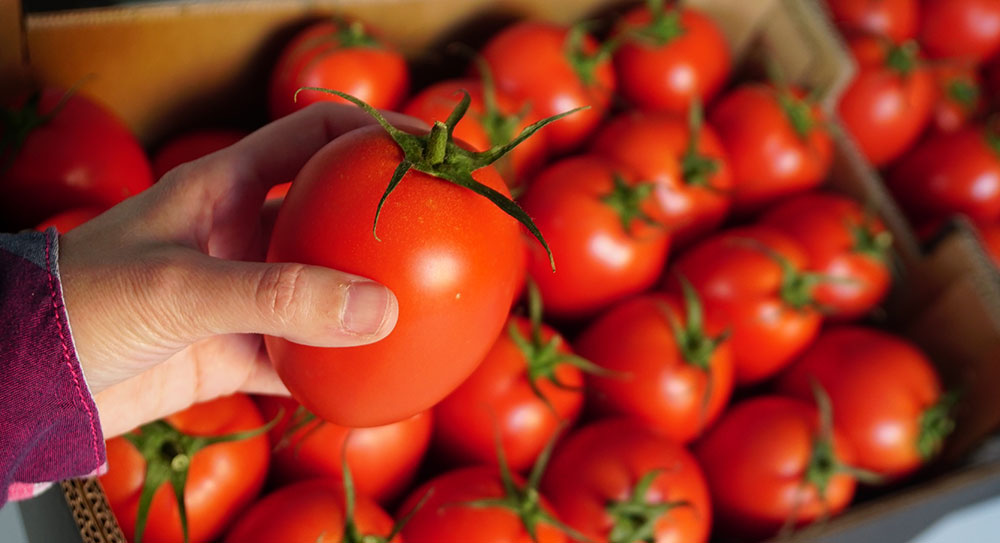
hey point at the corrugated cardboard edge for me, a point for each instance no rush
(90, 510)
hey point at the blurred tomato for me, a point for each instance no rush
(894, 19)
(192, 146)
(68, 220)
(960, 29)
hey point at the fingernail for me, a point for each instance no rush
(367, 307)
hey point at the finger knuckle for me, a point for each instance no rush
(280, 290)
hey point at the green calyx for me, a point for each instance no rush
(964, 93)
(799, 113)
(500, 127)
(695, 345)
(168, 453)
(544, 357)
(936, 423)
(301, 418)
(18, 124)
(868, 242)
(635, 518)
(797, 286)
(525, 500)
(626, 200)
(352, 534)
(437, 155)
(664, 26)
(902, 58)
(352, 34)
(585, 64)
(696, 168)
(992, 135)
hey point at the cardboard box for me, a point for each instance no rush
(187, 62)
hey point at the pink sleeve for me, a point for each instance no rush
(49, 428)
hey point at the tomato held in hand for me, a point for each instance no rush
(493, 119)
(452, 257)
(528, 385)
(673, 370)
(960, 29)
(65, 151)
(949, 174)
(341, 55)
(886, 397)
(889, 102)
(772, 462)
(753, 280)
(310, 512)
(685, 160)
(382, 459)
(776, 141)
(670, 58)
(843, 242)
(595, 216)
(617, 482)
(554, 69)
(192, 146)
(893, 19)
(221, 478)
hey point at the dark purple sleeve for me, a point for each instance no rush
(49, 428)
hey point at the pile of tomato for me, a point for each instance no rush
(648, 321)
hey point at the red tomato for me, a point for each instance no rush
(341, 55)
(222, 479)
(693, 182)
(894, 19)
(524, 389)
(81, 156)
(308, 512)
(777, 143)
(192, 146)
(769, 462)
(451, 256)
(886, 396)
(752, 280)
(675, 371)
(278, 192)
(889, 102)
(68, 220)
(554, 69)
(960, 29)
(382, 460)
(591, 213)
(616, 481)
(958, 96)
(670, 58)
(951, 173)
(990, 234)
(484, 127)
(446, 516)
(844, 243)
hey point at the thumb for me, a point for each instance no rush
(311, 305)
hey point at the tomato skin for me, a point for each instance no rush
(958, 96)
(960, 29)
(603, 462)
(823, 224)
(657, 386)
(597, 261)
(740, 286)
(949, 174)
(879, 385)
(755, 459)
(68, 220)
(435, 103)
(498, 396)
(768, 157)
(529, 63)
(317, 57)
(192, 146)
(885, 110)
(451, 257)
(223, 478)
(443, 518)
(84, 156)
(894, 19)
(308, 512)
(668, 77)
(653, 146)
(382, 460)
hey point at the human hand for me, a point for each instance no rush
(166, 293)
